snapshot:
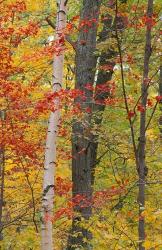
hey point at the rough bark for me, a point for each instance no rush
(53, 124)
(2, 175)
(142, 138)
(106, 58)
(1, 190)
(84, 165)
(81, 163)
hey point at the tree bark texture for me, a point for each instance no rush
(2, 174)
(142, 139)
(83, 165)
(53, 124)
(82, 176)
(100, 95)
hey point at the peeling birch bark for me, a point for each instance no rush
(53, 124)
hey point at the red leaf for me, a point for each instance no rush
(131, 114)
(141, 108)
(158, 98)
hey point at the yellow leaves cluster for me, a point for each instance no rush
(149, 245)
(24, 240)
(151, 134)
(36, 5)
(149, 216)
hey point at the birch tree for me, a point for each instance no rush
(53, 124)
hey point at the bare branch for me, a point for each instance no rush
(50, 23)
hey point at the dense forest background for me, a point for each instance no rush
(80, 125)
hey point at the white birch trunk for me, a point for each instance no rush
(53, 124)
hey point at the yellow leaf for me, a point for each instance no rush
(147, 244)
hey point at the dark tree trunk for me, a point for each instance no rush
(103, 77)
(106, 58)
(1, 190)
(142, 168)
(2, 174)
(81, 138)
(101, 93)
(83, 165)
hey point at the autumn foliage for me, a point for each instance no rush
(26, 100)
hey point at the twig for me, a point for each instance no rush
(123, 87)
(149, 121)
